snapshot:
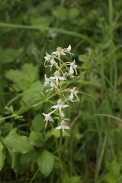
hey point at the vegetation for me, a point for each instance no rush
(89, 149)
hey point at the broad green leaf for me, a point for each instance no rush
(73, 13)
(33, 93)
(23, 78)
(75, 179)
(28, 157)
(114, 173)
(36, 139)
(45, 21)
(38, 123)
(116, 168)
(17, 143)
(110, 178)
(33, 137)
(46, 163)
(15, 158)
(55, 133)
(9, 55)
(2, 155)
(83, 58)
(60, 12)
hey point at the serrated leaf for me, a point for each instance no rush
(2, 155)
(46, 163)
(23, 78)
(17, 143)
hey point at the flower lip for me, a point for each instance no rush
(47, 118)
(59, 51)
(73, 67)
(73, 93)
(63, 126)
(57, 77)
(60, 105)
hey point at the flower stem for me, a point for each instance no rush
(60, 151)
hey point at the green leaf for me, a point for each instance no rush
(110, 178)
(114, 172)
(33, 137)
(2, 155)
(45, 21)
(75, 179)
(15, 157)
(28, 157)
(17, 143)
(37, 139)
(60, 12)
(38, 123)
(116, 168)
(9, 55)
(23, 78)
(73, 13)
(46, 163)
(33, 93)
(55, 133)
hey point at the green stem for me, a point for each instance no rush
(60, 151)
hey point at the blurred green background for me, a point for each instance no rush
(29, 29)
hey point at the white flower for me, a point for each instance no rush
(48, 57)
(46, 80)
(52, 84)
(47, 118)
(49, 81)
(62, 114)
(73, 67)
(63, 127)
(52, 34)
(59, 51)
(73, 92)
(52, 61)
(57, 77)
(59, 105)
(67, 50)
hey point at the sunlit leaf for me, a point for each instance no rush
(17, 143)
